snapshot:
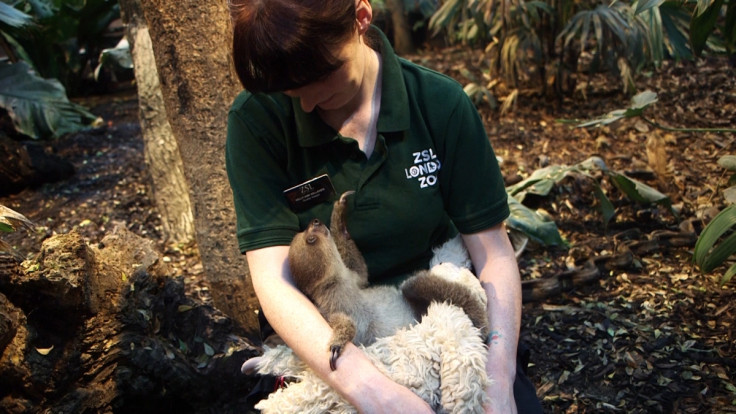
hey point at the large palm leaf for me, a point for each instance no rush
(38, 107)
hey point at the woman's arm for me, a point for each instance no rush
(495, 263)
(303, 328)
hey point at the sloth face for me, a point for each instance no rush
(313, 257)
(315, 230)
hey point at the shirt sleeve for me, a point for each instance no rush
(255, 158)
(470, 180)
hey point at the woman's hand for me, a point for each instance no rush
(386, 396)
(379, 395)
(370, 391)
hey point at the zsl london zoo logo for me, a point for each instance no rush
(425, 168)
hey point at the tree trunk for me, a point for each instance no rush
(403, 43)
(169, 188)
(198, 86)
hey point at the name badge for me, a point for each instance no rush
(309, 193)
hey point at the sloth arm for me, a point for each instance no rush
(495, 263)
(302, 327)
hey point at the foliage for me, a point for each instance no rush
(532, 224)
(9, 221)
(12, 18)
(528, 40)
(717, 242)
(636, 108)
(66, 39)
(705, 21)
(543, 180)
(639, 103)
(623, 38)
(51, 39)
(38, 107)
(115, 59)
(706, 255)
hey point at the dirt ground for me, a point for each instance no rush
(657, 336)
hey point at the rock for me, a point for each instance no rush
(107, 328)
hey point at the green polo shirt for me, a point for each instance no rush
(432, 171)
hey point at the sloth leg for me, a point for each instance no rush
(343, 331)
(424, 288)
(345, 245)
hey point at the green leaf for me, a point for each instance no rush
(728, 30)
(638, 103)
(43, 9)
(638, 191)
(13, 17)
(728, 162)
(444, 17)
(115, 59)
(676, 24)
(38, 107)
(531, 223)
(721, 223)
(729, 194)
(478, 93)
(703, 24)
(208, 350)
(642, 100)
(606, 207)
(9, 218)
(702, 6)
(719, 254)
(540, 182)
(646, 5)
(728, 275)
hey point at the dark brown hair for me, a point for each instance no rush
(285, 44)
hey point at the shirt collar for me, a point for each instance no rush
(394, 115)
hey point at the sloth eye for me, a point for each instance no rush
(311, 239)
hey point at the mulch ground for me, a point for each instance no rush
(657, 336)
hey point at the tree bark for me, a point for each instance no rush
(169, 187)
(403, 43)
(198, 85)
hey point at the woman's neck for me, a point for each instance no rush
(358, 119)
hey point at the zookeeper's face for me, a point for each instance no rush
(341, 86)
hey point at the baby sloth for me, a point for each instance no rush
(328, 268)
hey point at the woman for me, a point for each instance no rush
(329, 106)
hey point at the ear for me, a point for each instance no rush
(363, 15)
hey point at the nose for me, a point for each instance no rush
(307, 102)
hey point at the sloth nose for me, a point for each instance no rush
(316, 223)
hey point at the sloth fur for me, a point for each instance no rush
(442, 359)
(330, 270)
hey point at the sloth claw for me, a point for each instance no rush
(344, 196)
(336, 351)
